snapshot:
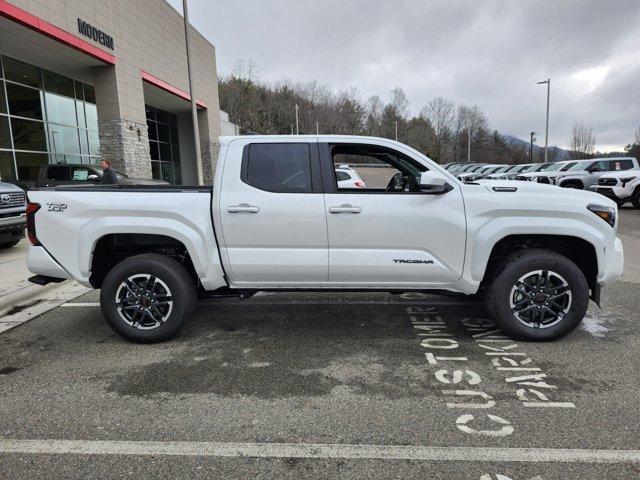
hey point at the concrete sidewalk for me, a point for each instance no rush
(21, 300)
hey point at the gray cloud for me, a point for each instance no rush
(489, 53)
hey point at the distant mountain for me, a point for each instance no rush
(555, 153)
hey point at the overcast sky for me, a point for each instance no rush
(489, 53)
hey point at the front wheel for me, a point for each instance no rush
(147, 298)
(538, 295)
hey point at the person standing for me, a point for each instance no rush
(109, 176)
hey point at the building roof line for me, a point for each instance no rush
(155, 81)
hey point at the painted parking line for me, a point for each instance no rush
(317, 450)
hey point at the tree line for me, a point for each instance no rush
(443, 129)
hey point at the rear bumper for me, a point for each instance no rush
(41, 263)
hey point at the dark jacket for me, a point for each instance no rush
(109, 176)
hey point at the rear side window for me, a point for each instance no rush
(341, 176)
(278, 167)
(621, 165)
(58, 173)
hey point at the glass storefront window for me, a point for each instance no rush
(89, 94)
(154, 151)
(63, 139)
(22, 72)
(60, 109)
(7, 170)
(82, 123)
(91, 113)
(163, 133)
(5, 136)
(24, 101)
(58, 84)
(84, 142)
(165, 152)
(29, 164)
(163, 145)
(94, 143)
(3, 100)
(28, 135)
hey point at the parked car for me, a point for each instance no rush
(621, 187)
(584, 174)
(541, 170)
(347, 177)
(276, 220)
(511, 173)
(478, 174)
(465, 167)
(54, 174)
(12, 214)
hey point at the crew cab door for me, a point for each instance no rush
(272, 214)
(390, 233)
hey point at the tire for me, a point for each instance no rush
(635, 198)
(147, 298)
(563, 278)
(9, 244)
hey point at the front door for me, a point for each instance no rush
(272, 213)
(388, 233)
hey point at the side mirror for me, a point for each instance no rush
(433, 184)
(93, 177)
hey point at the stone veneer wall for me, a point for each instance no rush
(126, 144)
(209, 152)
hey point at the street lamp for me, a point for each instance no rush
(533, 139)
(396, 124)
(469, 143)
(297, 130)
(546, 133)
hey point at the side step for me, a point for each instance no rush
(45, 280)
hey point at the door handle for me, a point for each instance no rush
(243, 208)
(345, 208)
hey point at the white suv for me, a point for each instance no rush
(621, 187)
(347, 177)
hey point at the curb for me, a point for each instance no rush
(29, 307)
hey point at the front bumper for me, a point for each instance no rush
(613, 264)
(614, 193)
(12, 227)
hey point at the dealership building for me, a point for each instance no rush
(83, 80)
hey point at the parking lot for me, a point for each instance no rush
(326, 386)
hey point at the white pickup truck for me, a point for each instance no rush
(277, 220)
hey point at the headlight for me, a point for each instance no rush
(608, 214)
(627, 180)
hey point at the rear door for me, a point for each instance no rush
(389, 233)
(272, 214)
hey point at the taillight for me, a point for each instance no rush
(32, 208)
(359, 184)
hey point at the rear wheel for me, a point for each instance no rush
(9, 244)
(538, 295)
(635, 198)
(147, 298)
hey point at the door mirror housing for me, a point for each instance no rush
(434, 184)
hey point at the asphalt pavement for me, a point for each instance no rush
(326, 386)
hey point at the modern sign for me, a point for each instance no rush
(95, 34)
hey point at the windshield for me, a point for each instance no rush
(529, 168)
(507, 168)
(580, 165)
(555, 167)
(547, 167)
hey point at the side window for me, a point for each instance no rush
(80, 174)
(278, 167)
(601, 166)
(621, 165)
(374, 168)
(58, 173)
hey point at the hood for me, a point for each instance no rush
(566, 173)
(622, 174)
(9, 187)
(557, 195)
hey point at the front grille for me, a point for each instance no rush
(16, 199)
(544, 180)
(608, 181)
(607, 192)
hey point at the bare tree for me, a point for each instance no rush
(399, 102)
(440, 114)
(582, 141)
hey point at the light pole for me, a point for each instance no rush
(546, 132)
(396, 124)
(297, 129)
(533, 139)
(317, 129)
(469, 144)
(194, 107)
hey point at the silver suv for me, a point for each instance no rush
(12, 214)
(584, 174)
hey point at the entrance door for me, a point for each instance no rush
(387, 232)
(272, 214)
